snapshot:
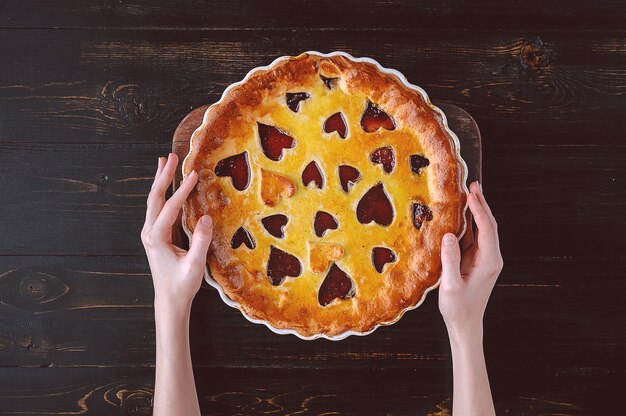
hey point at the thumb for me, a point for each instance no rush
(450, 259)
(201, 239)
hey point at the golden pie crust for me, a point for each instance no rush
(231, 127)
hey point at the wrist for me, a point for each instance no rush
(169, 310)
(171, 329)
(466, 334)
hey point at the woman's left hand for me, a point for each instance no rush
(176, 273)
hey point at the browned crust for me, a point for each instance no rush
(227, 125)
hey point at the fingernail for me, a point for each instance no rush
(449, 239)
(206, 220)
(480, 186)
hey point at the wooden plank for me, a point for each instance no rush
(64, 311)
(97, 311)
(126, 86)
(75, 198)
(89, 199)
(366, 14)
(53, 391)
(459, 121)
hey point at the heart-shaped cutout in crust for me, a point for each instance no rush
(384, 156)
(375, 206)
(273, 141)
(281, 265)
(336, 285)
(275, 224)
(348, 176)
(293, 100)
(275, 186)
(237, 168)
(242, 236)
(329, 82)
(337, 123)
(382, 256)
(312, 173)
(322, 254)
(421, 213)
(374, 118)
(418, 162)
(324, 222)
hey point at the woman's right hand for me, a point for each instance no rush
(469, 273)
(469, 270)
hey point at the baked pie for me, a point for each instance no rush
(331, 184)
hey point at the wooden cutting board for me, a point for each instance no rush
(459, 120)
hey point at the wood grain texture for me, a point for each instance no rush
(124, 86)
(560, 195)
(95, 193)
(65, 311)
(285, 392)
(351, 14)
(86, 109)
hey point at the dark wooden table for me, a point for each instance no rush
(90, 94)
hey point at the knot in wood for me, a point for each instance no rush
(133, 401)
(39, 288)
(34, 287)
(535, 54)
(129, 104)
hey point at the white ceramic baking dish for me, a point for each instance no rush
(404, 81)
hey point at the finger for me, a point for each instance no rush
(487, 236)
(478, 191)
(481, 198)
(167, 174)
(467, 240)
(450, 261)
(167, 217)
(156, 197)
(160, 165)
(200, 240)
